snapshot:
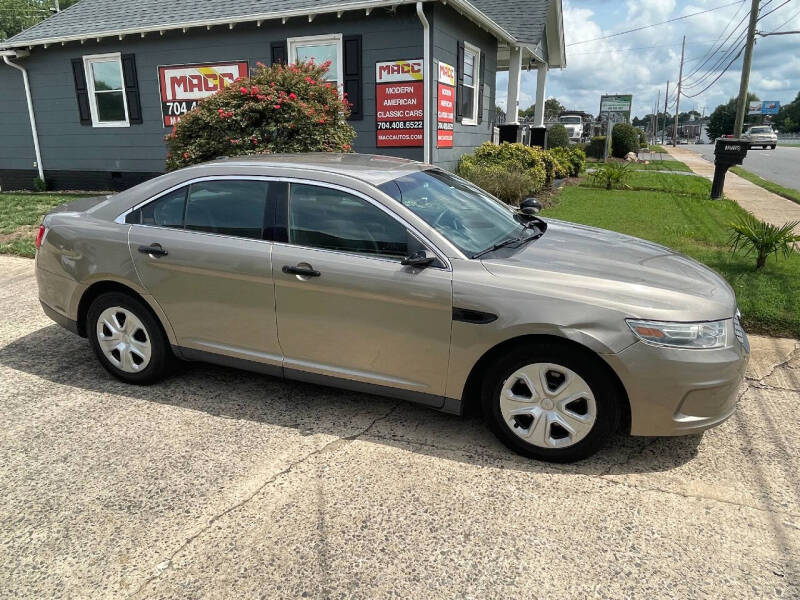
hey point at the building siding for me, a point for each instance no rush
(449, 28)
(136, 152)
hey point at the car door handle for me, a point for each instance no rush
(154, 249)
(300, 271)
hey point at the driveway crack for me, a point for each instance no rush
(164, 566)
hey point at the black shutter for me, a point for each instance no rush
(279, 52)
(459, 81)
(352, 75)
(480, 87)
(131, 89)
(81, 91)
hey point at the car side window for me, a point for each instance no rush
(326, 218)
(228, 207)
(167, 211)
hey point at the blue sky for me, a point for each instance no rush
(640, 63)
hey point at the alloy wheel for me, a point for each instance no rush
(548, 405)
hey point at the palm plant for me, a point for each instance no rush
(612, 174)
(754, 236)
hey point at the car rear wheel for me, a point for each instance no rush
(127, 339)
(551, 402)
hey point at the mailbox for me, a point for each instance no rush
(727, 152)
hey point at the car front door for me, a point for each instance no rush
(347, 307)
(200, 250)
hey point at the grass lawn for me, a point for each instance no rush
(20, 216)
(775, 188)
(661, 165)
(698, 227)
(677, 184)
(657, 148)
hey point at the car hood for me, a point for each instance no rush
(637, 277)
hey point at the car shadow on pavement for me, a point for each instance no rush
(62, 358)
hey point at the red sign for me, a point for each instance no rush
(399, 99)
(446, 95)
(183, 85)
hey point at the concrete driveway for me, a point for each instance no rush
(225, 484)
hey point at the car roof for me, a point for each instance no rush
(374, 169)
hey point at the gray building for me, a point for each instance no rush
(87, 95)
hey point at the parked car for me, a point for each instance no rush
(390, 276)
(761, 135)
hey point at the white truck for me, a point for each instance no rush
(574, 126)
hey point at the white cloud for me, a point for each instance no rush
(640, 63)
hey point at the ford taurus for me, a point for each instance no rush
(390, 276)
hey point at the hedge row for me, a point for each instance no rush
(513, 172)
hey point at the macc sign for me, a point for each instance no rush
(183, 85)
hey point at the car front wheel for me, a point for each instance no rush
(551, 401)
(127, 339)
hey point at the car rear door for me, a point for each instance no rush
(201, 251)
(347, 307)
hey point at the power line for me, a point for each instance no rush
(786, 22)
(738, 54)
(712, 51)
(611, 35)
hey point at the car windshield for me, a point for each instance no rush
(575, 120)
(760, 130)
(468, 217)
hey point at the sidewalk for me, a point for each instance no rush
(763, 204)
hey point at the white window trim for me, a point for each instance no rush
(87, 69)
(476, 78)
(315, 40)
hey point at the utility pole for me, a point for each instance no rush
(678, 98)
(741, 105)
(666, 97)
(655, 116)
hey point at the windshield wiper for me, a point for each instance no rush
(498, 245)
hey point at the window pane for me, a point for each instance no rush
(325, 218)
(110, 106)
(107, 75)
(469, 68)
(468, 102)
(228, 208)
(167, 211)
(320, 53)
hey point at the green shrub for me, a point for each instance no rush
(557, 136)
(751, 235)
(512, 172)
(642, 139)
(509, 185)
(624, 139)
(277, 109)
(39, 185)
(611, 175)
(574, 159)
(596, 147)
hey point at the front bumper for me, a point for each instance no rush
(675, 391)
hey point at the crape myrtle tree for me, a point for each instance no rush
(280, 108)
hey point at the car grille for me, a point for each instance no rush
(739, 331)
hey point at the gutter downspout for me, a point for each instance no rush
(426, 59)
(35, 134)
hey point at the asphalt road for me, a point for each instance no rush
(781, 165)
(222, 484)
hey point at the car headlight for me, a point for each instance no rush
(705, 334)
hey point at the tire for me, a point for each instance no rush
(774, 146)
(581, 393)
(127, 339)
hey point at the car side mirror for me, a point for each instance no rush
(530, 206)
(418, 260)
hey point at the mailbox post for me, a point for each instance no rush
(727, 152)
